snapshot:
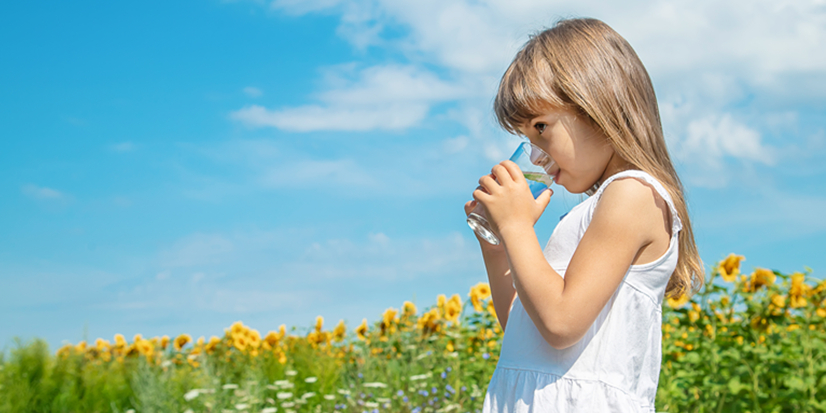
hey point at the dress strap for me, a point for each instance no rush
(676, 223)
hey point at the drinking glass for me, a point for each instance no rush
(535, 165)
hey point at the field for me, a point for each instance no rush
(744, 343)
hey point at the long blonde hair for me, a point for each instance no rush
(584, 65)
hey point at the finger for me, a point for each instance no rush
(502, 174)
(470, 205)
(544, 198)
(488, 184)
(513, 169)
(480, 196)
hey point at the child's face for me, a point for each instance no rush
(582, 153)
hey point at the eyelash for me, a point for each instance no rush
(540, 127)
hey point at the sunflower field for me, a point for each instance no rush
(743, 343)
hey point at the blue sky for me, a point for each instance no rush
(173, 167)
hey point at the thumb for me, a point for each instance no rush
(544, 198)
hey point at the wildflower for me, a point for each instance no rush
(65, 350)
(759, 278)
(339, 332)
(453, 309)
(693, 316)
(492, 310)
(191, 394)
(237, 327)
(240, 341)
(253, 338)
(798, 290)
(361, 330)
(315, 338)
(210, 346)
(102, 345)
(478, 293)
(388, 322)
(408, 309)
(144, 347)
(164, 342)
(181, 341)
(120, 342)
(429, 321)
(730, 267)
(677, 302)
(779, 300)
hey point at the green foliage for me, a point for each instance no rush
(742, 344)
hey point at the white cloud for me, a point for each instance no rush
(387, 97)
(388, 259)
(703, 55)
(196, 250)
(319, 173)
(43, 193)
(122, 147)
(252, 92)
(713, 137)
(319, 118)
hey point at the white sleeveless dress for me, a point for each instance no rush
(616, 365)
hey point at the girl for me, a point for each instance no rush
(582, 319)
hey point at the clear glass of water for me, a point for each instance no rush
(535, 165)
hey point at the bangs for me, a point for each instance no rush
(527, 88)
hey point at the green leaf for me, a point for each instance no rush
(735, 386)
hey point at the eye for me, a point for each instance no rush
(540, 127)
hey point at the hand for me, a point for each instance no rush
(471, 205)
(508, 200)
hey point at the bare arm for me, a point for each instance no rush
(564, 309)
(499, 275)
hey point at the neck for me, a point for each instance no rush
(615, 164)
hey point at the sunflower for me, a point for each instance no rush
(272, 338)
(799, 290)
(759, 278)
(120, 342)
(440, 303)
(453, 309)
(361, 330)
(102, 345)
(339, 332)
(677, 302)
(181, 341)
(315, 338)
(388, 321)
(164, 342)
(429, 321)
(237, 327)
(240, 341)
(210, 346)
(476, 301)
(319, 322)
(145, 347)
(491, 309)
(730, 267)
(253, 338)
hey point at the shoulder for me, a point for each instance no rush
(632, 203)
